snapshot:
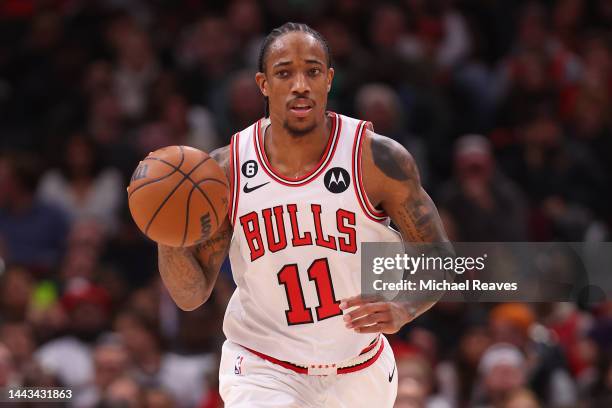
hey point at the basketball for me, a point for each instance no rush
(178, 196)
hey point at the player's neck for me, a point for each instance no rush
(293, 156)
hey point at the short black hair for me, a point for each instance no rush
(279, 32)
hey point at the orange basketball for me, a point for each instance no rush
(178, 196)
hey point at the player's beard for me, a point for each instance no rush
(298, 132)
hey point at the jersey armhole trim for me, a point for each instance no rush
(362, 198)
(234, 177)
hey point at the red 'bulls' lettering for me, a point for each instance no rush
(297, 240)
(275, 246)
(330, 242)
(276, 232)
(252, 234)
(348, 244)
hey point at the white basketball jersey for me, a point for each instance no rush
(295, 250)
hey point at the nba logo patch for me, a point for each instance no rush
(238, 365)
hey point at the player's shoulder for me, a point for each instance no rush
(387, 157)
(222, 157)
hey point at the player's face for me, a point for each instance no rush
(296, 82)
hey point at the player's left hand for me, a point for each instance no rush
(374, 316)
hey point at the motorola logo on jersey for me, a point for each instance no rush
(337, 180)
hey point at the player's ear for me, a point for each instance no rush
(330, 78)
(262, 83)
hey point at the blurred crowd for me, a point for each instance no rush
(505, 105)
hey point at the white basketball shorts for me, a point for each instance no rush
(249, 381)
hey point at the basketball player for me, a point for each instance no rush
(308, 186)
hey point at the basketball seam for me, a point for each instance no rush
(179, 170)
(197, 186)
(185, 177)
(187, 217)
(159, 178)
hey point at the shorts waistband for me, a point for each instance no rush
(366, 358)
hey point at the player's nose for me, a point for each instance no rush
(300, 84)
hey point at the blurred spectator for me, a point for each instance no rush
(136, 69)
(502, 371)
(32, 232)
(105, 122)
(567, 17)
(87, 307)
(350, 61)
(158, 398)
(379, 104)
(482, 203)
(9, 375)
(386, 32)
(416, 383)
(244, 104)
(601, 393)
(183, 376)
(82, 186)
(209, 55)
(123, 392)
(18, 337)
(246, 21)
(521, 398)
(17, 288)
(439, 34)
(458, 375)
(548, 377)
(191, 126)
(560, 177)
(111, 361)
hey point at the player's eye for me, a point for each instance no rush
(314, 71)
(282, 74)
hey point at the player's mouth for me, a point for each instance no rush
(301, 108)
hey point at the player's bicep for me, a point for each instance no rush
(400, 193)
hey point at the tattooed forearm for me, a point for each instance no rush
(218, 240)
(190, 273)
(419, 220)
(183, 276)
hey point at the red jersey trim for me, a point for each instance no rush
(344, 370)
(362, 198)
(326, 159)
(235, 176)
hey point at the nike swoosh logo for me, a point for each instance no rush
(246, 188)
(392, 374)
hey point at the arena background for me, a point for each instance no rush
(506, 106)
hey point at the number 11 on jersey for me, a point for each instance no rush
(319, 272)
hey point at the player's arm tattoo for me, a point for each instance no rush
(190, 273)
(409, 206)
(411, 209)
